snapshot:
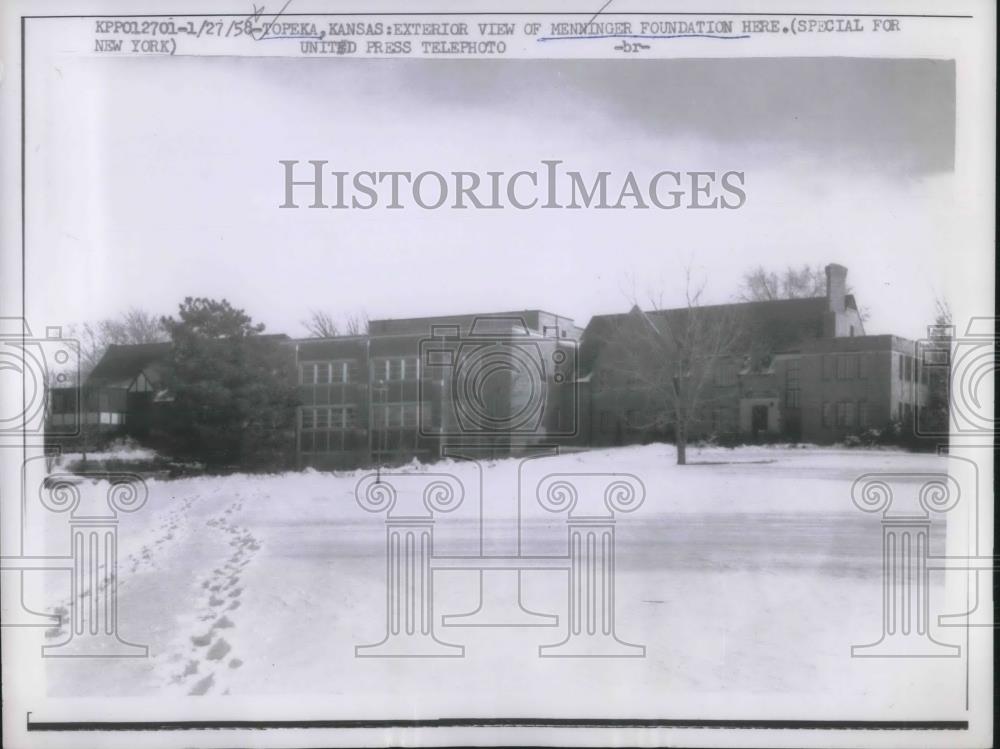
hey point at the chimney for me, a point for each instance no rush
(836, 287)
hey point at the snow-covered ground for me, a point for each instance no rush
(749, 572)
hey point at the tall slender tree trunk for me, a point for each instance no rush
(680, 418)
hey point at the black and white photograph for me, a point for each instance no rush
(564, 375)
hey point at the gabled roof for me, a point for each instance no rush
(122, 363)
(765, 326)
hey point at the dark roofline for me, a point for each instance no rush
(508, 313)
(325, 339)
(710, 307)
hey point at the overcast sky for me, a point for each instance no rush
(155, 178)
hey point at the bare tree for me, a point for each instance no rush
(670, 357)
(130, 327)
(357, 324)
(321, 324)
(934, 356)
(763, 285)
(942, 312)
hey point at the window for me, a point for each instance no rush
(606, 420)
(901, 366)
(341, 372)
(847, 366)
(329, 417)
(397, 368)
(909, 368)
(863, 418)
(725, 374)
(826, 415)
(829, 366)
(845, 414)
(792, 393)
(792, 374)
(411, 368)
(325, 373)
(400, 415)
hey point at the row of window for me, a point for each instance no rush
(111, 418)
(845, 367)
(397, 368)
(834, 366)
(329, 417)
(400, 415)
(390, 369)
(845, 414)
(384, 415)
(326, 373)
(331, 441)
(63, 402)
(909, 370)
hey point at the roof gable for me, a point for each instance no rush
(122, 363)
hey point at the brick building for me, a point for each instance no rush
(800, 369)
(410, 387)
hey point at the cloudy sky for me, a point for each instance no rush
(151, 179)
